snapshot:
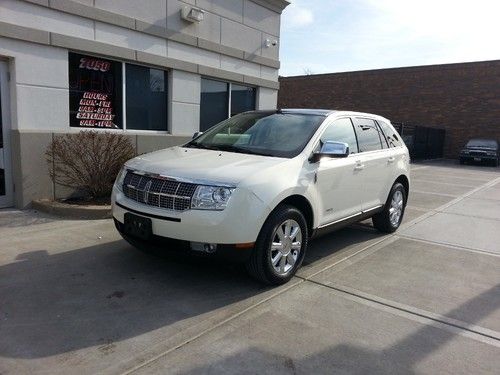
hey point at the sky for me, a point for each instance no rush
(326, 36)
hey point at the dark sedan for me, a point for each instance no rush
(481, 150)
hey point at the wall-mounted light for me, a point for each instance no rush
(270, 43)
(191, 14)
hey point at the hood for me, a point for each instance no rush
(199, 164)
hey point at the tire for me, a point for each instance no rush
(496, 162)
(462, 161)
(287, 257)
(387, 221)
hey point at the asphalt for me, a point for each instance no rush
(75, 298)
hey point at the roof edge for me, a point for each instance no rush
(395, 69)
(274, 5)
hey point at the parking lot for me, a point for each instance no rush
(75, 298)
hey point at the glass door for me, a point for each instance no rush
(6, 191)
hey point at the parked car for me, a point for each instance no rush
(481, 150)
(259, 185)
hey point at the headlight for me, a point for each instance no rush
(211, 197)
(491, 153)
(120, 178)
(465, 152)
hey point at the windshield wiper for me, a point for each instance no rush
(200, 145)
(241, 150)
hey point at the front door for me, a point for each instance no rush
(6, 187)
(339, 181)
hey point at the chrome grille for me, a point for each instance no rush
(158, 192)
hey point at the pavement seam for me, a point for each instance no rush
(446, 183)
(298, 282)
(477, 330)
(449, 245)
(433, 193)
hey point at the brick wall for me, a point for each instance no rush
(462, 98)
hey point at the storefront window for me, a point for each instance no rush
(214, 103)
(242, 99)
(95, 92)
(215, 99)
(146, 97)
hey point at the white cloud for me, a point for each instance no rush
(297, 16)
(370, 34)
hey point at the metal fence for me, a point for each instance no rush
(422, 142)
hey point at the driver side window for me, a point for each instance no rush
(341, 130)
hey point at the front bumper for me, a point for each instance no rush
(478, 157)
(164, 245)
(239, 223)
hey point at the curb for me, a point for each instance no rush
(72, 211)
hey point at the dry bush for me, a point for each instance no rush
(88, 161)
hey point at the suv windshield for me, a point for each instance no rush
(261, 133)
(483, 143)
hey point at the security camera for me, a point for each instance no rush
(270, 43)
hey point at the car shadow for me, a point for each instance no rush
(58, 303)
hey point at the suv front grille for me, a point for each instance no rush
(158, 192)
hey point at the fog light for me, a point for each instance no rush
(204, 247)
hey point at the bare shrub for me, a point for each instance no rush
(88, 161)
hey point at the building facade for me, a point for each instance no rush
(463, 99)
(157, 71)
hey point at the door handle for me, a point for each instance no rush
(359, 166)
(392, 159)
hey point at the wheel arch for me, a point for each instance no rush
(403, 180)
(304, 206)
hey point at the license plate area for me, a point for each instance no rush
(477, 159)
(137, 226)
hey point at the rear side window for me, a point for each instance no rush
(369, 137)
(341, 130)
(391, 135)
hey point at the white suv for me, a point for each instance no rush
(259, 185)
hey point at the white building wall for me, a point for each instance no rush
(36, 35)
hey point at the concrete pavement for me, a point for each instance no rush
(75, 298)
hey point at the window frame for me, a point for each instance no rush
(377, 128)
(124, 96)
(229, 95)
(316, 147)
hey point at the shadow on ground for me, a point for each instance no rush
(100, 295)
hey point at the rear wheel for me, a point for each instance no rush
(389, 220)
(462, 161)
(280, 247)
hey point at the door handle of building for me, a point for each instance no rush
(359, 166)
(392, 159)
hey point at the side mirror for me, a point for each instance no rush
(331, 149)
(197, 134)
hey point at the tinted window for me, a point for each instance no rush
(146, 98)
(214, 103)
(341, 130)
(368, 135)
(95, 92)
(391, 135)
(242, 99)
(261, 133)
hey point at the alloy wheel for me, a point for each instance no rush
(286, 246)
(396, 209)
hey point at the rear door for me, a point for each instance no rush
(339, 182)
(375, 161)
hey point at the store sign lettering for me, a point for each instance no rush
(95, 92)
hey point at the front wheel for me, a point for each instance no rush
(389, 220)
(280, 246)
